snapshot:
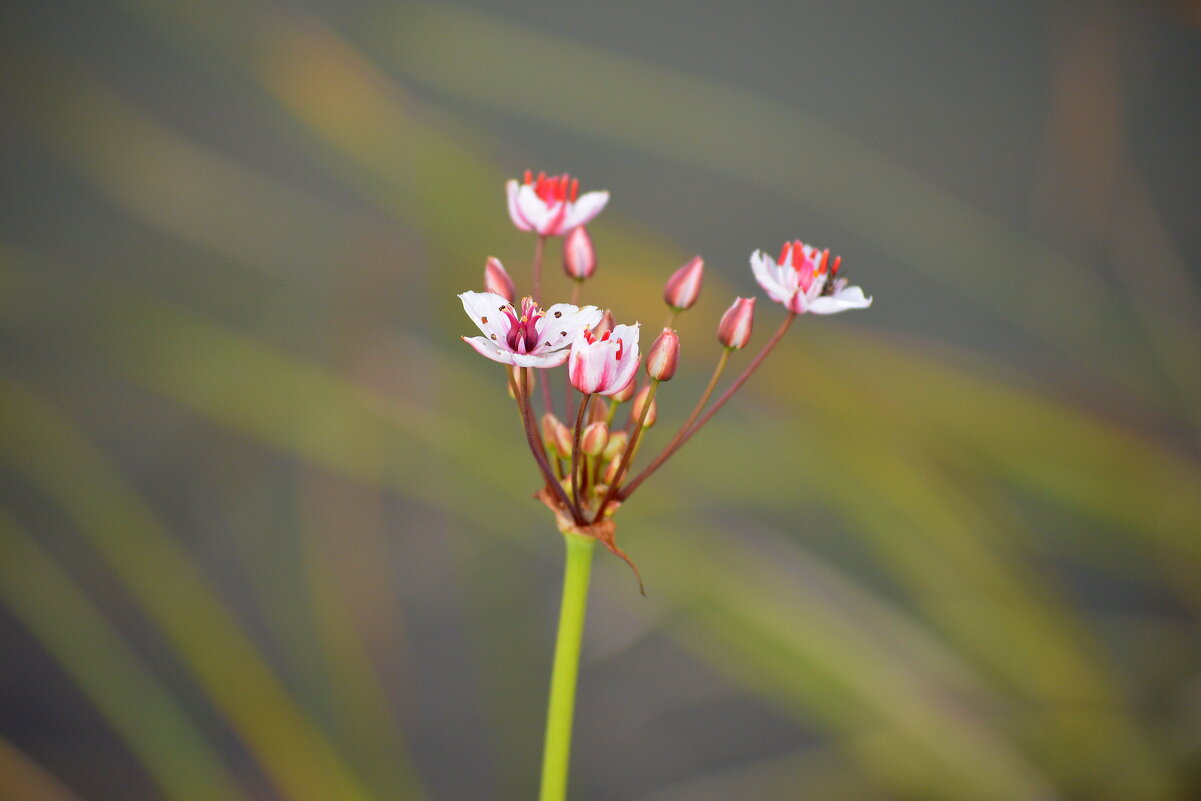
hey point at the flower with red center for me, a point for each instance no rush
(552, 206)
(604, 365)
(536, 338)
(804, 280)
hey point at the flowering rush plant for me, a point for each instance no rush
(585, 469)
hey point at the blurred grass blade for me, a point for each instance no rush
(139, 707)
(26, 780)
(44, 446)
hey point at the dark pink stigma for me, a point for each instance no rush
(523, 332)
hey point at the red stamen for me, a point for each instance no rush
(529, 177)
(784, 253)
(575, 189)
(837, 263)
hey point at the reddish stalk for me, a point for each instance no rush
(575, 453)
(628, 455)
(534, 438)
(686, 434)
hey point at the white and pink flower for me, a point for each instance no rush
(536, 338)
(606, 364)
(552, 206)
(804, 280)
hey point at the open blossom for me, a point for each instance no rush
(606, 364)
(552, 206)
(536, 338)
(805, 280)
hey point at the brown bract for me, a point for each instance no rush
(605, 531)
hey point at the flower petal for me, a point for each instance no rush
(850, 298)
(531, 207)
(487, 311)
(562, 323)
(766, 270)
(540, 360)
(587, 206)
(485, 347)
(511, 189)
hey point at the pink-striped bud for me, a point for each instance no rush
(684, 286)
(616, 446)
(563, 441)
(497, 281)
(664, 356)
(594, 439)
(605, 325)
(579, 257)
(624, 395)
(549, 424)
(611, 471)
(652, 414)
(597, 409)
(734, 330)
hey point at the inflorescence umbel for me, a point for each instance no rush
(586, 468)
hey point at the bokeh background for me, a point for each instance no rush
(265, 522)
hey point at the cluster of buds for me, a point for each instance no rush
(586, 468)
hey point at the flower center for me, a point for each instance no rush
(811, 266)
(592, 339)
(523, 331)
(555, 189)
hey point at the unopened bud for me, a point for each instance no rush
(563, 439)
(595, 438)
(734, 330)
(597, 409)
(611, 471)
(605, 325)
(652, 414)
(549, 425)
(579, 257)
(684, 286)
(624, 395)
(664, 356)
(515, 376)
(497, 280)
(618, 440)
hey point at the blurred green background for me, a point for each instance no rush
(265, 522)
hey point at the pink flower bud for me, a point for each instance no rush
(563, 439)
(652, 414)
(497, 281)
(579, 257)
(611, 471)
(549, 425)
(734, 330)
(623, 395)
(597, 409)
(605, 325)
(684, 286)
(616, 446)
(664, 356)
(594, 439)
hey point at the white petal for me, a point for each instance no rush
(532, 207)
(485, 347)
(515, 214)
(544, 360)
(849, 298)
(486, 310)
(587, 206)
(560, 331)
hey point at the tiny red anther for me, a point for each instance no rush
(575, 189)
(529, 177)
(784, 252)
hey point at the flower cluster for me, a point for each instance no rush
(585, 468)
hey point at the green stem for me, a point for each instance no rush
(557, 753)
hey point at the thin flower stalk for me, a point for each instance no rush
(687, 433)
